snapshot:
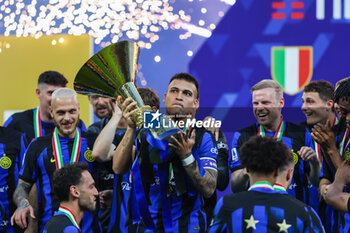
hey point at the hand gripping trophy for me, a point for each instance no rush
(110, 73)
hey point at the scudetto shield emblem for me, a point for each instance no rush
(291, 67)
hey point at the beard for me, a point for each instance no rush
(87, 205)
(65, 132)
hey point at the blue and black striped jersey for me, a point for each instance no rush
(60, 223)
(12, 147)
(39, 166)
(294, 136)
(340, 219)
(172, 206)
(264, 210)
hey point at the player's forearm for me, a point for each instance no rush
(205, 185)
(335, 157)
(336, 197)
(315, 168)
(122, 157)
(20, 196)
(239, 181)
(102, 147)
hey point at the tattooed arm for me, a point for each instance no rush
(125, 152)
(205, 185)
(24, 209)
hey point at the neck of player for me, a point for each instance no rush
(274, 125)
(331, 118)
(70, 135)
(45, 116)
(254, 177)
(73, 206)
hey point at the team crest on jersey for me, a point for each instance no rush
(295, 157)
(291, 67)
(5, 162)
(347, 155)
(88, 155)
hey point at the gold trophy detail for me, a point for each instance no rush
(110, 73)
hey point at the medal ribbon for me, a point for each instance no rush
(57, 152)
(342, 144)
(335, 121)
(37, 123)
(278, 134)
(278, 187)
(70, 215)
(261, 184)
(317, 150)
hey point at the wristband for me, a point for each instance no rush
(187, 161)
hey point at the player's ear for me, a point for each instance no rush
(330, 104)
(290, 173)
(37, 92)
(51, 111)
(74, 191)
(282, 102)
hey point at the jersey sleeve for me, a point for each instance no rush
(222, 162)
(208, 152)
(219, 224)
(28, 171)
(235, 162)
(9, 123)
(22, 151)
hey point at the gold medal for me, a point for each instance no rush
(347, 155)
(5, 162)
(88, 155)
(295, 157)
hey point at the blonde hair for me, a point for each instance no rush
(63, 93)
(268, 83)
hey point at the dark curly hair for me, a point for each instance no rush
(343, 91)
(67, 176)
(263, 155)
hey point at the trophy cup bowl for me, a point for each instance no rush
(110, 73)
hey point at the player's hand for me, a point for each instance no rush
(307, 154)
(117, 112)
(214, 130)
(20, 216)
(324, 135)
(106, 198)
(343, 173)
(182, 144)
(324, 190)
(128, 109)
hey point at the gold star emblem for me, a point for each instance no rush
(251, 222)
(283, 226)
